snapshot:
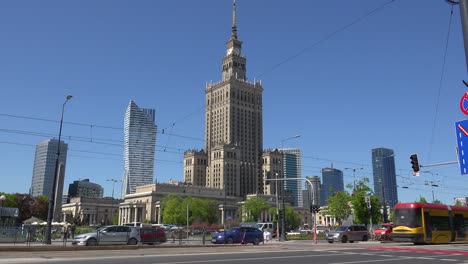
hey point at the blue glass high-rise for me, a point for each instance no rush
(139, 147)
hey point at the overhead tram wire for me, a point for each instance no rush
(96, 126)
(327, 37)
(81, 139)
(442, 74)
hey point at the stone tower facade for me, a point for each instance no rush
(234, 125)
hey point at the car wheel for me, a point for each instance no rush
(329, 241)
(344, 239)
(256, 241)
(365, 238)
(351, 241)
(91, 242)
(230, 240)
(132, 241)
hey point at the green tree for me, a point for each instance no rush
(292, 219)
(360, 205)
(422, 200)
(458, 203)
(254, 207)
(173, 211)
(202, 210)
(338, 206)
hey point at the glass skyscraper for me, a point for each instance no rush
(139, 147)
(383, 166)
(314, 193)
(44, 167)
(292, 169)
(332, 182)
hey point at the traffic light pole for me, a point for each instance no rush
(439, 164)
(283, 234)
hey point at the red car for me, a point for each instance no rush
(383, 231)
(151, 235)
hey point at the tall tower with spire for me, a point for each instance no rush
(234, 125)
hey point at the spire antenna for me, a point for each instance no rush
(234, 27)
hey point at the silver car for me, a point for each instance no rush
(109, 235)
(349, 233)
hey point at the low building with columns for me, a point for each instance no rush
(145, 204)
(91, 211)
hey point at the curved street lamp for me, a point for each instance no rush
(50, 212)
(283, 231)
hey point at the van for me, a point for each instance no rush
(137, 224)
(263, 226)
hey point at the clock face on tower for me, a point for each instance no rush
(237, 51)
(229, 51)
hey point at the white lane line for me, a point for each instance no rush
(449, 259)
(245, 259)
(367, 261)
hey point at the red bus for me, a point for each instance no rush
(423, 223)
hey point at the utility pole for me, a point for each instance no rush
(384, 205)
(112, 203)
(464, 20)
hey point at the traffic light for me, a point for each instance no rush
(314, 208)
(415, 163)
(190, 213)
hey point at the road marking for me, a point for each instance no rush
(367, 261)
(244, 259)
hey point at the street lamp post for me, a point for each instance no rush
(2, 198)
(384, 203)
(277, 206)
(283, 215)
(50, 212)
(369, 207)
(354, 176)
(112, 205)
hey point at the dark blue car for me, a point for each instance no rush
(239, 234)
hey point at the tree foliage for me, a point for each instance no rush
(292, 219)
(254, 207)
(27, 205)
(422, 200)
(361, 207)
(175, 210)
(338, 206)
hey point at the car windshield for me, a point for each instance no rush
(383, 227)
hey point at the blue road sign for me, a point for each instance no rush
(462, 142)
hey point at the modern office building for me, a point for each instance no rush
(44, 166)
(383, 167)
(85, 188)
(234, 125)
(312, 196)
(292, 170)
(45, 160)
(332, 182)
(139, 147)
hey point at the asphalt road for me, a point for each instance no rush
(247, 254)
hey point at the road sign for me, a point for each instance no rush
(464, 103)
(462, 143)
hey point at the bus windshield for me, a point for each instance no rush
(408, 217)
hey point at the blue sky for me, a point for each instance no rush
(375, 82)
